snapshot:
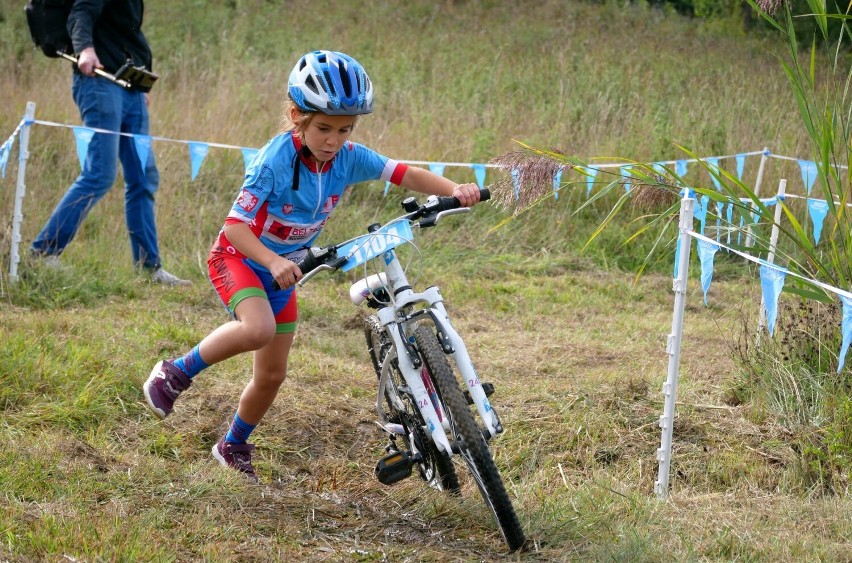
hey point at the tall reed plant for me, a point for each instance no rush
(820, 77)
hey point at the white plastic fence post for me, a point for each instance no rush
(773, 240)
(664, 453)
(20, 191)
(757, 182)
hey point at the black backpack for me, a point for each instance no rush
(47, 19)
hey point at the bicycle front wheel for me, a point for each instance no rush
(467, 434)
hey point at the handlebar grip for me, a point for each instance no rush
(446, 203)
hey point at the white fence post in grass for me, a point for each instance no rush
(20, 191)
(756, 191)
(664, 454)
(773, 240)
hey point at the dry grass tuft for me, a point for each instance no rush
(653, 197)
(530, 177)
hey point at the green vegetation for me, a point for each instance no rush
(574, 346)
(796, 379)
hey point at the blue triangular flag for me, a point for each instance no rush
(680, 168)
(713, 168)
(740, 165)
(701, 212)
(719, 206)
(5, 151)
(706, 252)
(557, 181)
(659, 168)
(143, 149)
(846, 330)
(83, 136)
(197, 154)
(479, 173)
(436, 168)
(771, 282)
(627, 176)
(248, 155)
(592, 173)
(729, 216)
(818, 209)
(387, 187)
(516, 175)
(809, 174)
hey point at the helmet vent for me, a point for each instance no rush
(309, 82)
(347, 85)
(328, 80)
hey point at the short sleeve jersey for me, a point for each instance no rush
(287, 219)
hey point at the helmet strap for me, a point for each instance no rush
(297, 162)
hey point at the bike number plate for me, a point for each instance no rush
(367, 247)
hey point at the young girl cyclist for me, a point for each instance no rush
(290, 190)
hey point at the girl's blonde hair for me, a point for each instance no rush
(303, 120)
(287, 123)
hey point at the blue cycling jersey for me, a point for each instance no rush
(286, 219)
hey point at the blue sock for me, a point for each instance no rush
(191, 363)
(239, 431)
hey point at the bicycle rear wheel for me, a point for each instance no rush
(471, 443)
(436, 468)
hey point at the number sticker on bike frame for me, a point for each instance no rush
(371, 245)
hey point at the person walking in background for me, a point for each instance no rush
(290, 190)
(105, 35)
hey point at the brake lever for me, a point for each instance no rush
(333, 266)
(433, 220)
(312, 273)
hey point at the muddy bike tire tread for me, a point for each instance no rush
(469, 434)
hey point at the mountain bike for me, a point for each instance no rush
(430, 420)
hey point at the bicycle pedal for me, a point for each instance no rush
(487, 387)
(395, 467)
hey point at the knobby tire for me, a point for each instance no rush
(472, 445)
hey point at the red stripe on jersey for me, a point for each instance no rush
(398, 173)
(256, 224)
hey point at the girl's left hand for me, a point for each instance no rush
(467, 194)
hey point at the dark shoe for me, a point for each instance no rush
(164, 386)
(236, 456)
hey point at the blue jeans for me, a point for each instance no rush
(105, 105)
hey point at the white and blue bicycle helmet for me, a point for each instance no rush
(332, 83)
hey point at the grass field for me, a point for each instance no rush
(573, 343)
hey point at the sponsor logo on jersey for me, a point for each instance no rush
(247, 200)
(329, 203)
(283, 231)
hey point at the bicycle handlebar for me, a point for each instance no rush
(316, 259)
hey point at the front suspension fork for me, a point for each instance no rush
(410, 368)
(448, 337)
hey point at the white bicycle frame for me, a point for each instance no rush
(396, 322)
